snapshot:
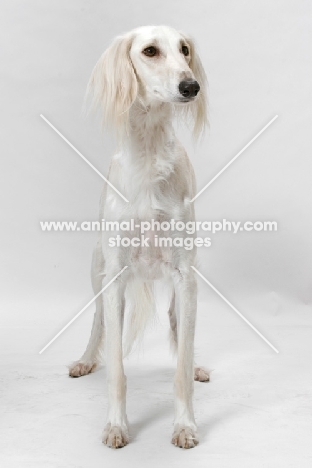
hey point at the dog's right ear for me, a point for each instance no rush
(113, 84)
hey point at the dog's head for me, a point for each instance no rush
(152, 63)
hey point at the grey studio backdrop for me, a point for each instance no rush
(257, 56)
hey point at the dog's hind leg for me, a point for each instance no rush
(201, 374)
(92, 355)
(173, 335)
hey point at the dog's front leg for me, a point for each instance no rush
(116, 431)
(184, 424)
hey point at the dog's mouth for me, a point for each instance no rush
(182, 100)
(177, 99)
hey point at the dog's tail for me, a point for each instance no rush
(140, 310)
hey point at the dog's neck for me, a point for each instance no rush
(150, 129)
(149, 154)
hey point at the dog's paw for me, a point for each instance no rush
(201, 374)
(115, 436)
(79, 368)
(184, 437)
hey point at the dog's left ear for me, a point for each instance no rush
(113, 84)
(198, 109)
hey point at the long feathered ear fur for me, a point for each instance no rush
(113, 84)
(197, 110)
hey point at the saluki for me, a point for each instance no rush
(144, 80)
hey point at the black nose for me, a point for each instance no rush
(189, 89)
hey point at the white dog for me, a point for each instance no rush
(142, 81)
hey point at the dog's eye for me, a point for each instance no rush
(150, 51)
(185, 50)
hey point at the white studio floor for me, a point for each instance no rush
(255, 412)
